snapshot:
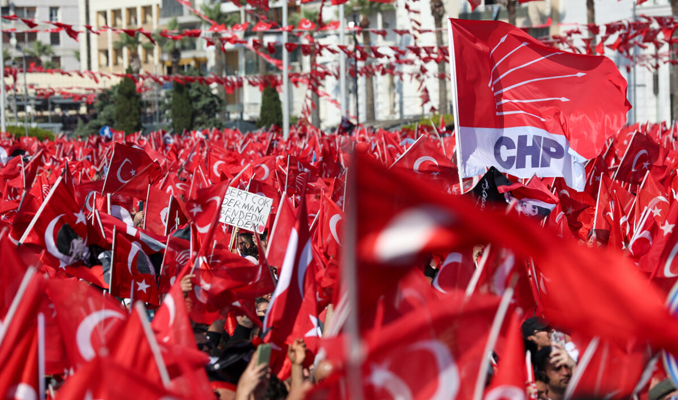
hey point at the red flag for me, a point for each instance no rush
(531, 100)
(134, 267)
(306, 25)
(89, 321)
(131, 169)
(641, 155)
(425, 160)
(205, 208)
(280, 234)
(509, 383)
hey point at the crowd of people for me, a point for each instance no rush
(379, 273)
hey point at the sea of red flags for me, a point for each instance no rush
(358, 218)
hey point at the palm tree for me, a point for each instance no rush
(215, 14)
(294, 19)
(173, 47)
(132, 43)
(40, 50)
(438, 12)
(366, 8)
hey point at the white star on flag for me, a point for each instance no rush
(315, 331)
(667, 228)
(133, 172)
(196, 209)
(656, 212)
(142, 286)
(81, 219)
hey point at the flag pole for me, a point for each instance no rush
(492, 338)
(164, 375)
(285, 75)
(352, 338)
(15, 302)
(41, 355)
(342, 62)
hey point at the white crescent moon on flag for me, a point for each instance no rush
(382, 377)
(420, 160)
(266, 170)
(504, 392)
(90, 195)
(136, 247)
(448, 374)
(215, 168)
(333, 227)
(408, 232)
(451, 258)
(644, 234)
(635, 160)
(656, 201)
(84, 333)
(204, 229)
(120, 167)
(669, 261)
(182, 186)
(304, 262)
(22, 391)
(50, 246)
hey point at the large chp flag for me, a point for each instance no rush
(527, 108)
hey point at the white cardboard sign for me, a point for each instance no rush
(245, 210)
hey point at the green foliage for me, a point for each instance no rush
(128, 107)
(365, 7)
(311, 15)
(39, 50)
(181, 109)
(169, 45)
(104, 107)
(432, 119)
(214, 13)
(206, 106)
(271, 109)
(40, 134)
(131, 43)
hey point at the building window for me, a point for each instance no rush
(54, 38)
(131, 16)
(24, 38)
(57, 61)
(54, 14)
(117, 56)
(101, 19)
(25, 12)
(147, 15)
(116, 16)
(103, 58)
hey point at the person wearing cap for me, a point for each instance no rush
(664, 390)
(536, 334)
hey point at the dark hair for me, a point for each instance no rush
(540, 376)
(252, 250)
(276, 389)
(65, 236)
(542, 358)
(260, 300)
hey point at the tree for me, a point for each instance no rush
(132, 43)
(207, 107)
(104, 111)
(40, 50)
(674, 69)
(128, 106)
(174, 47)
(227, 19)
(271, 109)
(438, 12)
(181, 109)
(366, 8)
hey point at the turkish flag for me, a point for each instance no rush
(613, 371)
(135, 347)
(130, 170)
(296, 280)
(103, 378)
(16, 260)
(428, 162)
(134, 268)
(329, 232)
(177, 256)
(455, 272)
(578, 208)
(523, 99)
(18, 350)
(89, 321)
(61, 228)
(641, 155)
(280, 233)
(204, 209)
(509, 382)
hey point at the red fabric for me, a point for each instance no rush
(509, 382)
(129, 172)
(133, 273)
(593, 86)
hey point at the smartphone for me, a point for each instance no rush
(263, 354)
(558, 337)
(141, 205)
